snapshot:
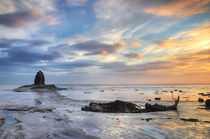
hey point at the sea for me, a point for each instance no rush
(158, 125)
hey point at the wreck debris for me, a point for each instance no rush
(190, 120)
(157, 98)
(207, 102)
(127, 107)
(200, 100)
(203, 94)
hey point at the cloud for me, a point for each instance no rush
(97, 48)
(179, 8)
(19, 19)
(77, 2)
(196, 58)
(191, 63)
(24, 55)
(7, 43)
(16, 52)
(51, 21)
(195, 38)
(73, 64)
(131, 42)
(12, 6)
(138, 18)
(77, 39)
(134, 55)
(111, 15)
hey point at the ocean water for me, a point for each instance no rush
(161, 125)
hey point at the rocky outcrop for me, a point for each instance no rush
(39, 85)
(39, 78)
(127, 107)
(39, 88)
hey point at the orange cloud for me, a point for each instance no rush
(195, 38)
(196, 62)
(180, 8)
(104, 52)
(135, 44)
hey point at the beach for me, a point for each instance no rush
(58, 114)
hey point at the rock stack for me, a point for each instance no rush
(39, 85)
(39, 78)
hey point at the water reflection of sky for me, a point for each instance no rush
(12, 98)
(127, 125)
(137, 93)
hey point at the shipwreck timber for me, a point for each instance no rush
(127, 107)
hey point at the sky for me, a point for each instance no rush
(105, 41)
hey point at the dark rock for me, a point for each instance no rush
(200, 100)
(17, 121)
(190, 120)
(42, 110)
(39, 78)
(148, 119)
(203, 94)
(185, 97)
(207, 102)
(39, 88)
(2, 121)
(87, 92)
(165, 91)
(157, 98)
(127, 107)
(27, 108)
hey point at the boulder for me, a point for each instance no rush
(200, 100)
(39, 78)
(207, 102)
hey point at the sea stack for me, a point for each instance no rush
(39, 85)
(39, 78)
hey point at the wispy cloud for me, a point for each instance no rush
(179, 8)
(77, 2)
(197, 38)
(134, 55)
